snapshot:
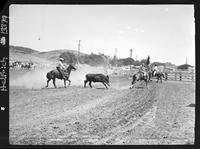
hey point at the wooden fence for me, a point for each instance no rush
(181, 76)
(175, 76)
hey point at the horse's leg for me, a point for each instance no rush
(85, 82)
(69, 82)
(90, 83)
(146, 81)
(150, 76)
(105, 85)
(65, 83)
(132, 84)
(54, 80)
(48, 83)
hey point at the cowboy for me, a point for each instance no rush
(155, 69)
(142, 69)
(60, 67)
(148, 60)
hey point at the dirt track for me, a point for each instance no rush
(159, 114)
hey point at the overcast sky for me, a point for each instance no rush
(165, 32)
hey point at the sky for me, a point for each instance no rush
(164, 32)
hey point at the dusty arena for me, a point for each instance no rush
(161, 113)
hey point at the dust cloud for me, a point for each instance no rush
(33, 79)
(36, 79)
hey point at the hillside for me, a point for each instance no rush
(17, 53)
(23, 50)
(26, 58)
(71, 56)
(184, 66)
(55, 54)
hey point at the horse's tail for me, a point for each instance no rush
(133, 79)
(49, 75)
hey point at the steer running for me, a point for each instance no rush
(96, 78)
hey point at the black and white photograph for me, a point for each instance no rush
(101, 74)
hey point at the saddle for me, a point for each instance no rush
(142, 74)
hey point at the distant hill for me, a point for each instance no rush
(23, 50)
(71, 56)
(184, 66)
(158, 63)
(55, 54)
(17, 53)
(26, 54)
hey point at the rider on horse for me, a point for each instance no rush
(155, 69)
(142, 69)
(148, 61)
(60, 67)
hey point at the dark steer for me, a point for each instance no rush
(96, 78)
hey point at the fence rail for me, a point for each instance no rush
(181, 76)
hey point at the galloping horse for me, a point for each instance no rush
(139, 77)
(53, 74)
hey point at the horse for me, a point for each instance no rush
(139, 76)
(53, 74)
(159, 75)
(149, 72)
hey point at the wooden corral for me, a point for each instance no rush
(181, 76)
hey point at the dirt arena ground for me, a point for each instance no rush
(162, 113)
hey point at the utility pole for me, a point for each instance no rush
(186, 60)
(130, 57)
(79, 44)
(115, 57)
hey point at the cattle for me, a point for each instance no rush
(96, 78)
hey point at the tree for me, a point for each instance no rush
(69, 57)
(184, 66)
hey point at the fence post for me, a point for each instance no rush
(192, 75)
(175, 76)
(180, 76)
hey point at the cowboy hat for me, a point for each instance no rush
(61, 59)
